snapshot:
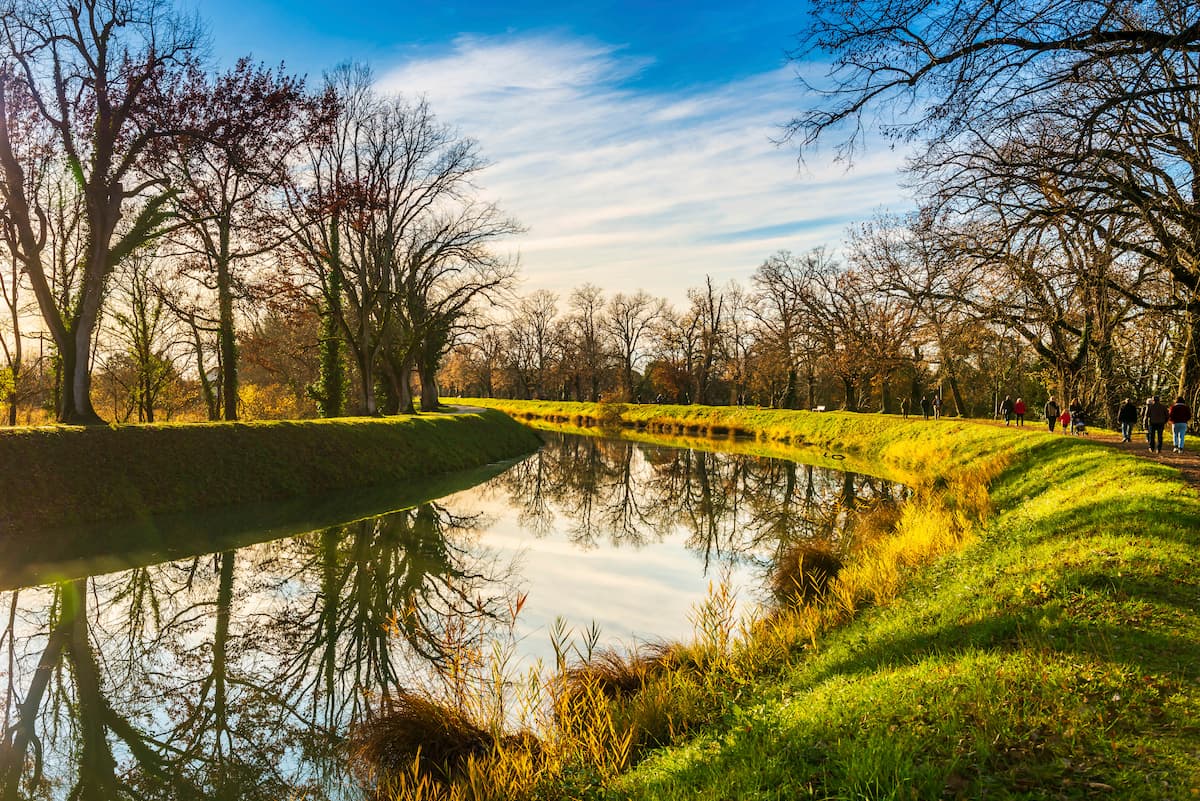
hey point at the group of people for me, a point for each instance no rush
(929, 406)
(1013, 410)
(1154, 417)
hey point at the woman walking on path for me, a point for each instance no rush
(1155, 417)
(1127, 415)
(1179, 414)
(1077, 421)
(1052, 412)
(1019, 411)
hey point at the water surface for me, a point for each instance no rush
(235, 671)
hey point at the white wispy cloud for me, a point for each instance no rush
(633, 188)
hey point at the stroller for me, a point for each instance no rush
(1079, 423)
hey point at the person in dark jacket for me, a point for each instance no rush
(1127, 415)
(1179, 414)
(905, 404)
(1154, 418)
(1078, 417)
(1006, 409)
(925, 407)
(1052, 412)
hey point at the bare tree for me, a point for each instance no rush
(95, 71)
(629, 321)
(228, 181)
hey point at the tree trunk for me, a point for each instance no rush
(76, 400)
(404, 386)
(960, 408)
(430, 402)
(1189, 363)
(332, 393)
(366, 371)
(851, 402)
(227, 337)
(788, 401)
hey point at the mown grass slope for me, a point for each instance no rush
(1055, 653)
(61, 475)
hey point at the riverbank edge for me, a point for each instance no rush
(1055, 647)
(58, 476)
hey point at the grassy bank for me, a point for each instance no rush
(59, 476)
(1031, 629)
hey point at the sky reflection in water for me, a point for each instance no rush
(235, 674)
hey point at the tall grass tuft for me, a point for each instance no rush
(803, 573)
(418, 736)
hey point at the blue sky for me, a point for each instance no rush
(633, 140)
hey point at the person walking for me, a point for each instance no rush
(1052, 412)
(1179, 414)
(937, 406)
(1006, 409)
(925, 406)
(905, 404)
(1154, 418)
(1077, 421)
(1019, 411)
(1127, 415)
(1065, 419)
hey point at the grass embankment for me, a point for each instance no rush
(59, 476)
(1030, 630)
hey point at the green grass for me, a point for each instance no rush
(60, 476)
(1053, 653)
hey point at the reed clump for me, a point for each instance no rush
(803, 572)
(619, 675)
(415, 730)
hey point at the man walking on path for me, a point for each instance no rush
(1052, 412)
(1179, 414)
(925, 406)
(1155, 418)
(1006, 409)
(1127, 415)
(904, 406)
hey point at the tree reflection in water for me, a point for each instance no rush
(232, 675)
(733, 508)
(235, 674)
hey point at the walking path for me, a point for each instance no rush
(1187, 462)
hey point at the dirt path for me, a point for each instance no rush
(1187, 462)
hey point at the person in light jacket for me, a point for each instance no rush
(1052, 412)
